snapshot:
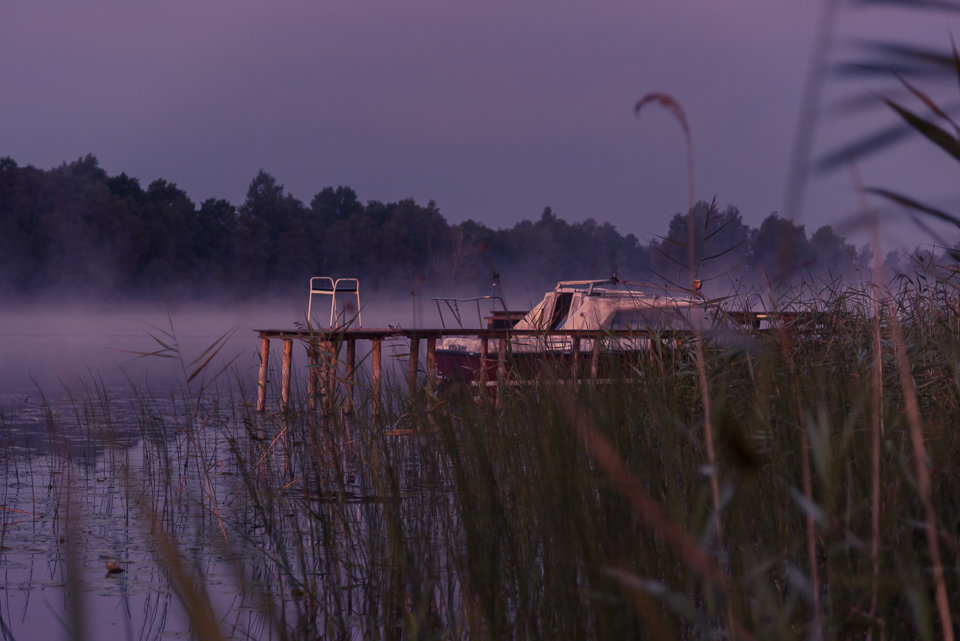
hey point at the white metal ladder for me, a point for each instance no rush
(327, 286)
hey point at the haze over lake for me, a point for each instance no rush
(57, 348)
(80, 409)
(52, 346)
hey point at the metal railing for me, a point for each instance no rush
(327, 286)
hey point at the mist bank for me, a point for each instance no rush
(76, 233)
(67, 348)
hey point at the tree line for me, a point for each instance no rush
(76, 231)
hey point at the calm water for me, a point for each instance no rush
(93, 446)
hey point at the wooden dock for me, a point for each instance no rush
(324, 347)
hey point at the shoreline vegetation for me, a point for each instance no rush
(554, 511)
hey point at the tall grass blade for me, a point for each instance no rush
(869, 145)
(208, 354)
(924, 485)
(930, 131)
(915, 205)
(934, 5)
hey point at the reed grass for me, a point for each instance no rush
(574, 510)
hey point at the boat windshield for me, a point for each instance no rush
(561, 309)
(460, 310)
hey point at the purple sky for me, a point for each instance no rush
(492, 109)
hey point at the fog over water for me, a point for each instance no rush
(55, 360)
(53, 347)
(61, 349)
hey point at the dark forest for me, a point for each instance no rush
(75, 231)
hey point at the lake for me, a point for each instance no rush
(140, 502)
(102, 448)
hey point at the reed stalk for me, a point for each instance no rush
(562, 509)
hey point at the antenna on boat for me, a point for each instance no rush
(495, 289)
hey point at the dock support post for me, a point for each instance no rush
(502, 358)
(501, 368)
(348, 374)
(313, 375)
(285, 372)
(484, 357)
(413, 364)
(328, 375)
(595, 359)
(431, 362)
(375, 355)
(262, 382)
(575, 357)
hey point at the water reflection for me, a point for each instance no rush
(79, 476)
(116, 511)
(286, 524)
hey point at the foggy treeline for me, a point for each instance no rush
(75, 231)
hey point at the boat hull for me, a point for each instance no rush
(466, 366)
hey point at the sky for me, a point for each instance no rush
(493, 110)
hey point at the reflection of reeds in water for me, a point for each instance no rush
(574, 510)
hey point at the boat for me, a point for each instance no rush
(578, 317)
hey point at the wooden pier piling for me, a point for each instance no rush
(376, 373)
(313, 375)
(285, 372)
(328, 378)
(595, 359)
(431, 361)
(413, 365)
(575, 358)
(350, 366)
(484, 359)
(262, 381)
(502, 358)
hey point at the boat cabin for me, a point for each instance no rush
(615, 304)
